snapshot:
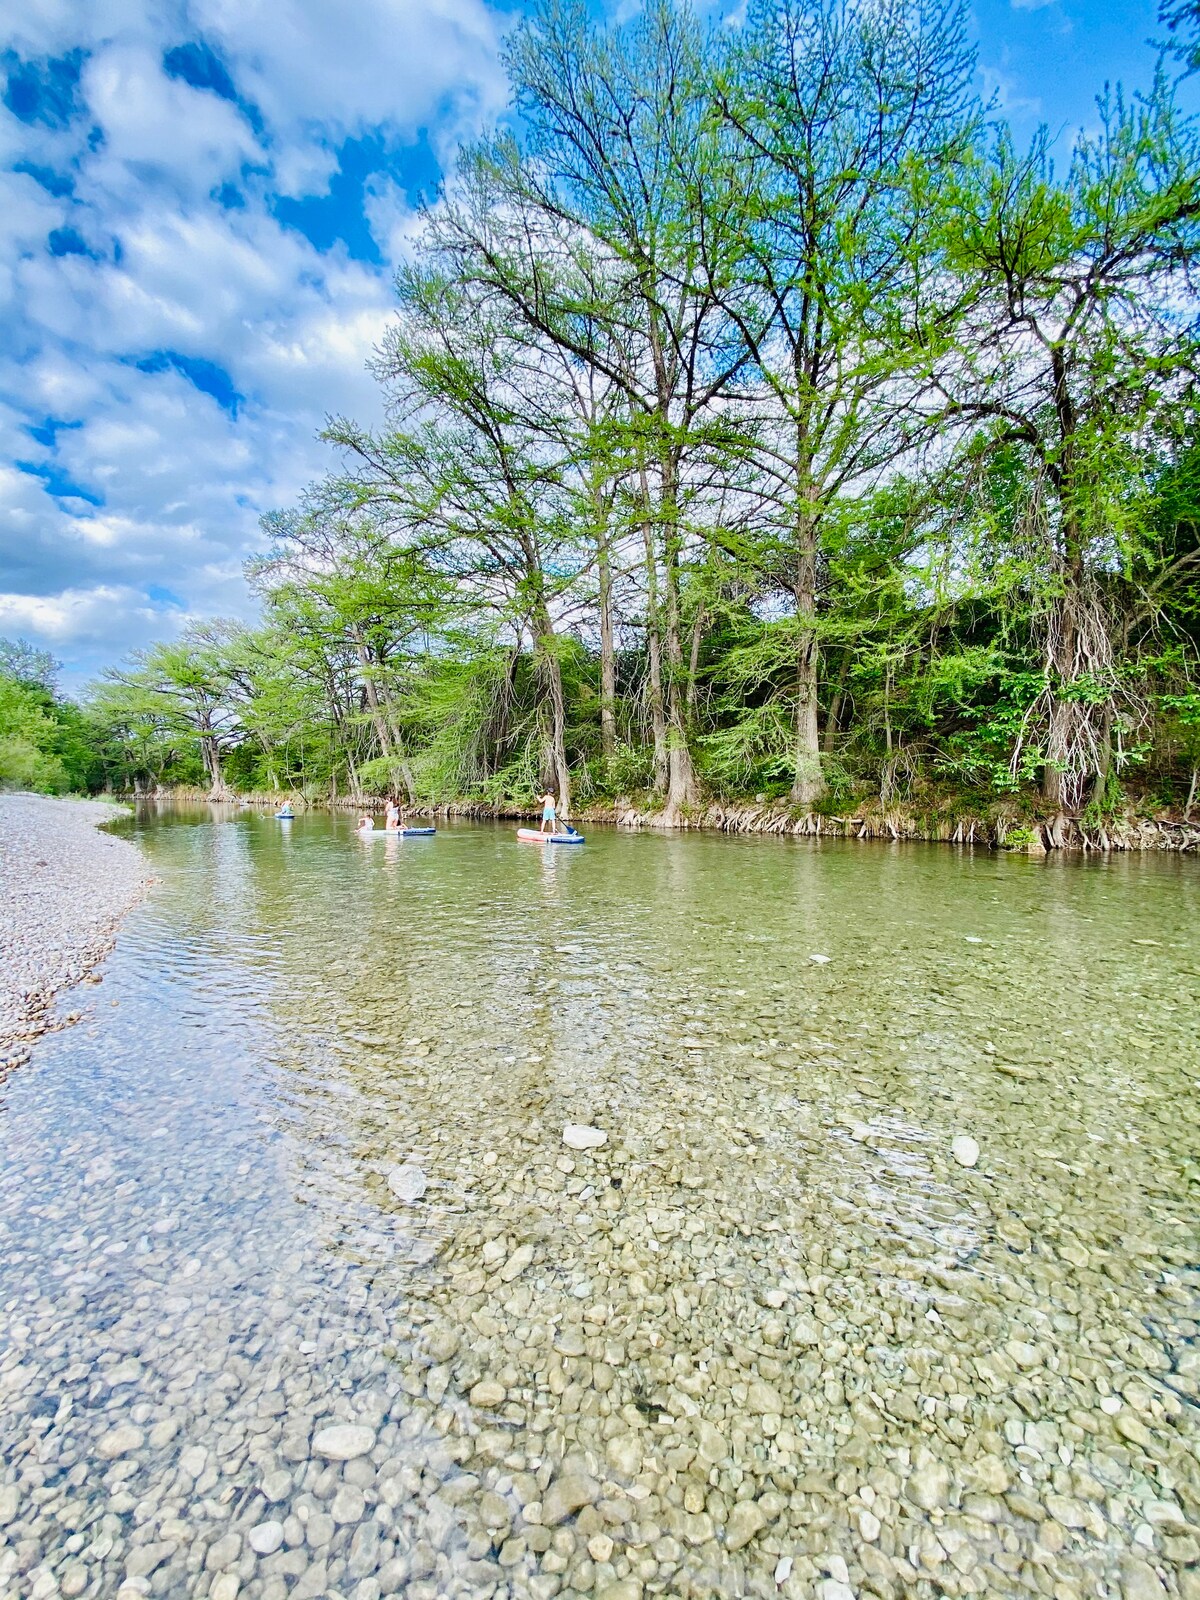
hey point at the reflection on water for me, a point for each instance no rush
(771, 1337)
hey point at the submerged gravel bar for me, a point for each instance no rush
(64, 888)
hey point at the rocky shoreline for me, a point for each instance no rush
(64, 889)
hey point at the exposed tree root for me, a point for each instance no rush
(1033, 837)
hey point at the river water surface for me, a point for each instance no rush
(771, 1337)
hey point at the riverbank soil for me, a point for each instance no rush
(64, 887)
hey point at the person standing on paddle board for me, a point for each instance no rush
(548, 812)
(392, 817)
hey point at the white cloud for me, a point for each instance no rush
(72, 615)
(191, 136)
(176, 261)
(359, 66)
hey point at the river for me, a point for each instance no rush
(773, 1337)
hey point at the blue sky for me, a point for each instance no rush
(201, 209)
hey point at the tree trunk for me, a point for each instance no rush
(658, 719)
(351, 768)
(809, 782)
(402, 760)
(1104, 759)
(694, 659)
(1078, 640)
(833, 722)
(210, 755)
(371, 694)
(681, 773)
(608, 664)
(549, 670)
(1075, 750)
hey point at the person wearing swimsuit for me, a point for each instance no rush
(548, 813)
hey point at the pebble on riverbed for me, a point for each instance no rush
(407, 1182)
(965, 1150)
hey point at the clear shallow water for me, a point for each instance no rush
(771, 1321)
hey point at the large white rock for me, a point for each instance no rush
(577, 1136)
(343, 1441)
(965, 1150)
(266, 1537)
(407, 1181)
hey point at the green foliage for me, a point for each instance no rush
(1017, 838)
(760, 419)
(981, 753)
(27, 739)
(46, 744)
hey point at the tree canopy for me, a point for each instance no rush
(761, 417)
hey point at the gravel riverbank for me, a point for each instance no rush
(64, 887)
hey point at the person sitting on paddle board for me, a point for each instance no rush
(548, 813)
(366, 824)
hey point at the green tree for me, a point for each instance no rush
(847, 113)
(1078, 350)
(177, 692)
(467, 476)
(612, 236)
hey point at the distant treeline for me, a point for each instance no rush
(760, 418)
(47, 743)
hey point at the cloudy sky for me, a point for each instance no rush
(202, 203)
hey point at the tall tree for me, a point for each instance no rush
(843, 110)
(620, 217)
(27, 664)
(182, 690)
(1079, 349)
(466, 473)
(372, 598)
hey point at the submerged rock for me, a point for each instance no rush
(407, 1181)
(266, 1537)
(119, 1441)
(568, 1494)
(1139, 1581)
(965, 1150)
(343, 1441)
(929, 1486)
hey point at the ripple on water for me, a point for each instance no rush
(770, 1327)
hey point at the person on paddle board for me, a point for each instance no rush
(548, 813)
(392, 817)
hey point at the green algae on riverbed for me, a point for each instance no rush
(770, 1337)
